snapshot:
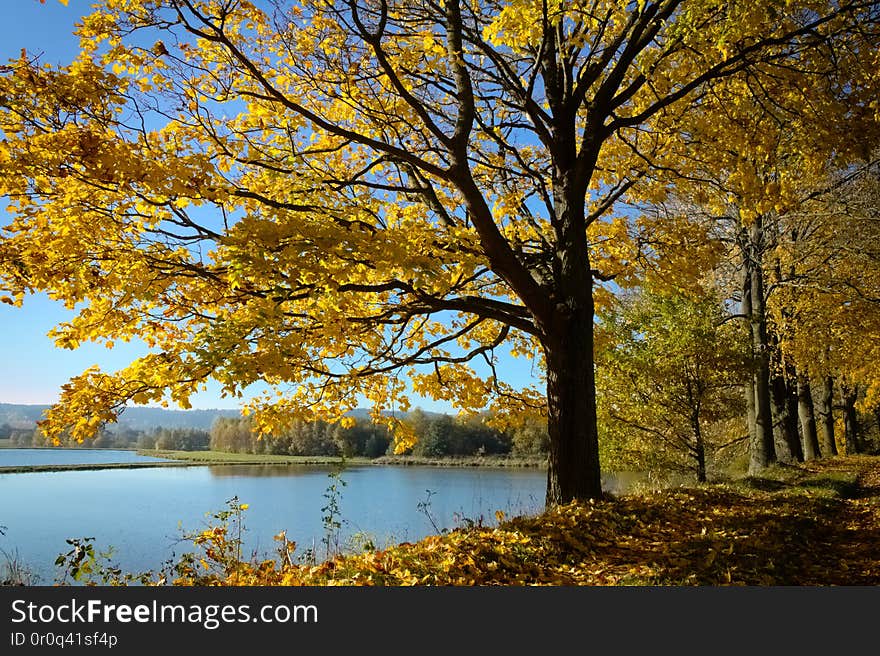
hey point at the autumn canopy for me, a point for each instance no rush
(341, 199)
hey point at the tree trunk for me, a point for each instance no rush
(749, 393)
(782, 438)
(761, 448)
(573, 466)
(826, 413)
(783, 408)
(699, 446)
(749, 387)
(573, 463)
(784, 390)
(807, 418)
(793, 429)
(850, 418)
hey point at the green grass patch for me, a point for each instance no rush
(224, 458)
(464, 461)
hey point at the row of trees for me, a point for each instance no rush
(177, 439)
(436, 435)
(317, 438)
(675, 389)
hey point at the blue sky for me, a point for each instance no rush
(32, 370)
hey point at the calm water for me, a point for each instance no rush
(141, 512)
(15, 457)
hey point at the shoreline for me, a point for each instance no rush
(219, 458)
(461, 461)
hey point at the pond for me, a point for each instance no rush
(142, 513)
(49, 456)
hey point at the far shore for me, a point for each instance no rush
(217, 458)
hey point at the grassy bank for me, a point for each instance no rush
(224, 458)
(220, 458)
(463, 461)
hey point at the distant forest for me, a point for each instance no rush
(438, 435)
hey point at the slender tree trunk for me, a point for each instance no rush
(788, 428)
(749, 393)
(761, 449)
(807, 418)
(746, 311)
(699, 446)
(826, 414)
(850, 418)
(793, 429)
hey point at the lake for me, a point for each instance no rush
(141, 512)
(49, 456)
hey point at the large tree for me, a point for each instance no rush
(331, 196)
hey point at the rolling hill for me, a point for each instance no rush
(140, 418)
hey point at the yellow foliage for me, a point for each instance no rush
(289, 200)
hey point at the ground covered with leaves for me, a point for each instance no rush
(811, 524)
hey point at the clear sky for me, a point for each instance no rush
(32, 370)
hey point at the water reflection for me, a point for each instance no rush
(222, 471)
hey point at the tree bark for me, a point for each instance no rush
(749, 393)
(699, 446)
(787, 425)
(746, 311)
(786, 440)
(761, 450)
(826, 414)
(850, 418)
(793, 429)
(783, 440)
(573, 471)
(573, 466)
(807, 418)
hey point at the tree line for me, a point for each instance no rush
(676, 394)
(436, 436)
(162, 438)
